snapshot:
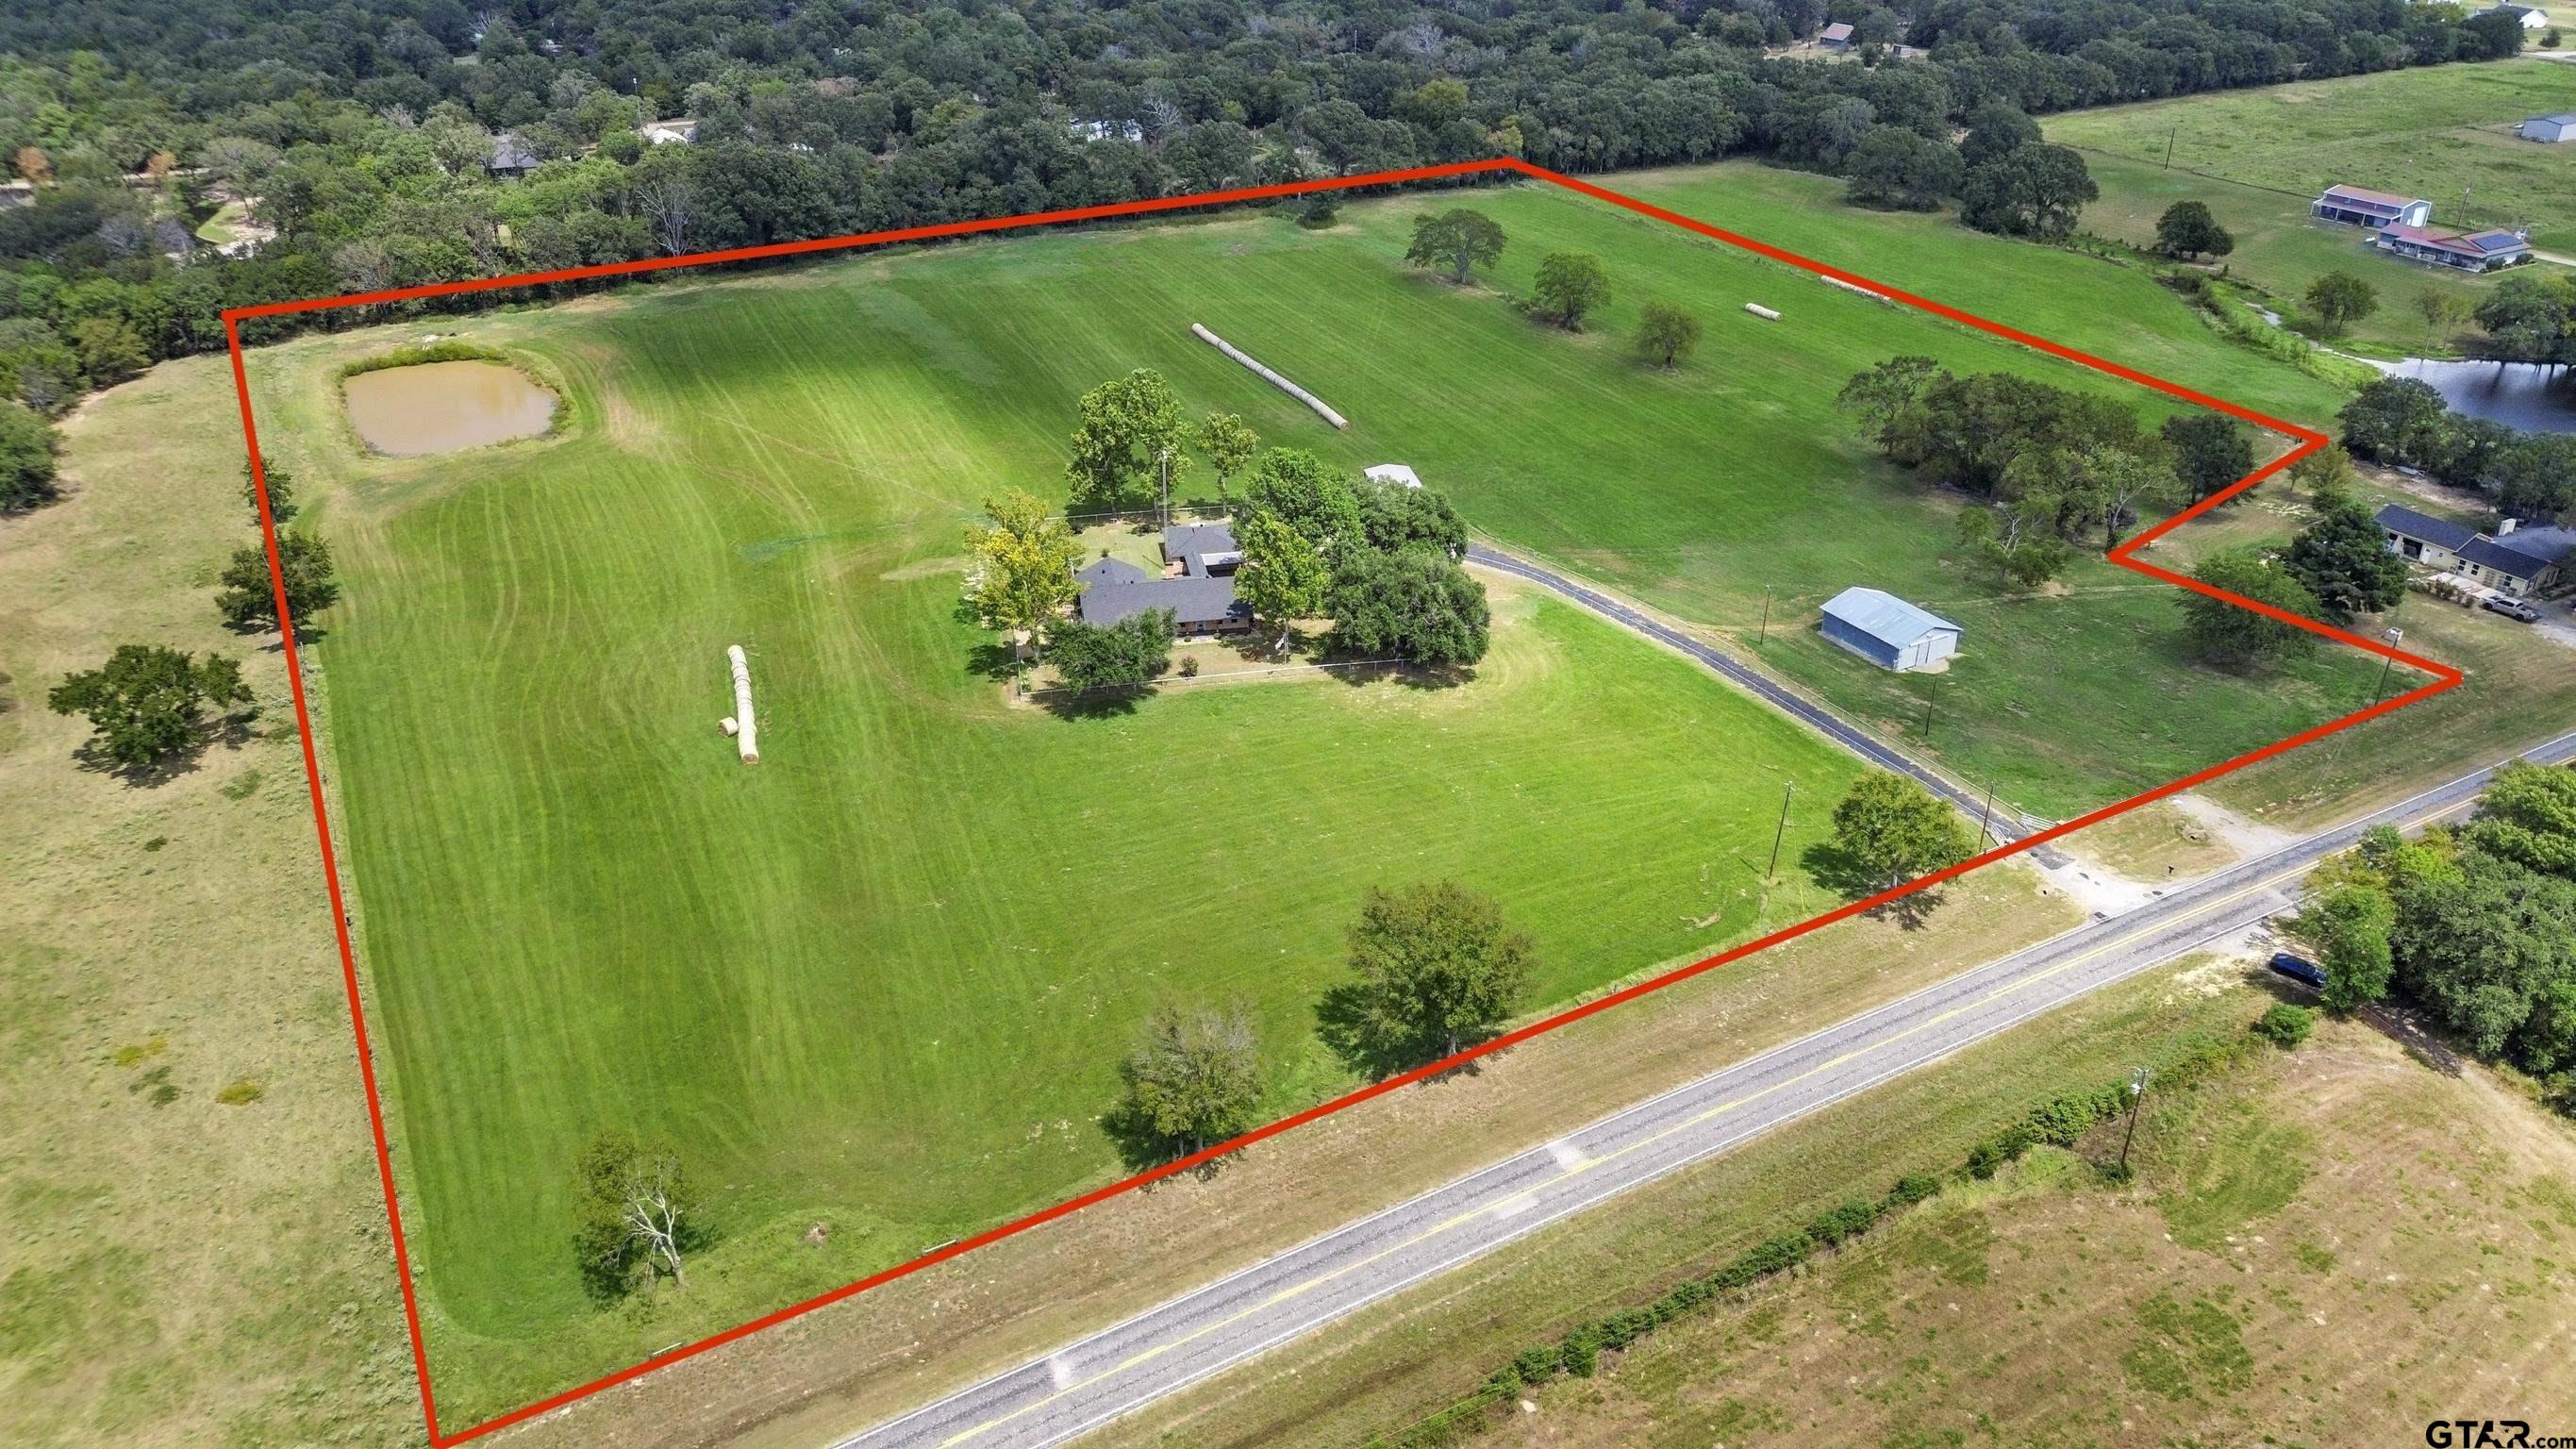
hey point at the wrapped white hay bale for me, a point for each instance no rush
(1266, 375)
(1758, 310)
(745, 737)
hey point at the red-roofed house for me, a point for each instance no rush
(2358, 206)
(2475, 251)
(1835, 36)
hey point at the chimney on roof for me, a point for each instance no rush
(2508, 526)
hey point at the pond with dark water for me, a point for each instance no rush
(446, 407)
(2533, 397)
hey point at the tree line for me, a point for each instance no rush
(2476, 924)
(2403, 422)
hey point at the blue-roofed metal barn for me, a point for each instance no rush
(1887, 631)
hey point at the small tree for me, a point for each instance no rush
(147, 702)
(1228, 445)
(1395, 518)
(2285, 1026)
(1455, 240)
(2327, 470)
(2034, 190)
(1127, 655)
(2211, 451)
(281, 490)
(27, 449)
(1571, 285)
(1312, 496)
(2188, 230)
(1024, 564)
(1417, 605)
(2339, 300)
(1195, 1074)
(2231, 633)
(634, 1210)
(1282, 577)
(1666, 335)
(2349, 926)
(2344, 561)
(1893, 830)
(2443, 310)
(1131, 426)
(109, 350)
(247, 598)
(1434, 966)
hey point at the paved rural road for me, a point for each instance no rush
(1121, 1369)
(2006, 828)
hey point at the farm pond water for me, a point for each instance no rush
(445, 407)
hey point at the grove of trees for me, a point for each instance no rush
(2403, 422)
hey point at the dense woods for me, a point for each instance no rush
(353, 146)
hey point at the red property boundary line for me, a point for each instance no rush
(2309, 441)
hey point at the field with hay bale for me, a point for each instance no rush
(884, 980)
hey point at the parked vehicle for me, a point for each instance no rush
(2300, 968)
(2514, 609)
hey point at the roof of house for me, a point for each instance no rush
(1835, 32)
(1193, 601)
(509, 153)
(1197, 544)
(1885, 617)
(2397, 518)
(2503, 558)
(2494, 241)
(1111, 571)
(2362, 198)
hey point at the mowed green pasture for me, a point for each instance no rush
(2437, 133)
(884, 979)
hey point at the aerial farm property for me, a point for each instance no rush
(879, 991)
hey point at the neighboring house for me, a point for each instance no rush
(1887, 631)
(1132, 132)
(1201, 597)
(510, 156)
(2560, 127)
(2471, 251)
(2493, 562)
(1395, 473)
(2359, 206)
(2531, 19)
(679, 131)
(1835, 37)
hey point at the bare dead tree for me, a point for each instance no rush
(669, 203)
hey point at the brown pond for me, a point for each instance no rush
(441, 407)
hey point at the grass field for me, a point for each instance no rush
(176, 1269)
(2435, 133)
(2292, 1223)
(578, 909)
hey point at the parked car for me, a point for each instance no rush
(2514, 609)
(2300, 968)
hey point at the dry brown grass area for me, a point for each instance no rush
(2326, 1248)
(2155, 841)
(175, 1268)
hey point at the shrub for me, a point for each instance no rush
(240, 1092)
(1913, 1187)
(2285, 1026)
(1847, 1221)
(1580, 1351)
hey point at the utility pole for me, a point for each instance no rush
(2386, 663)
(1163, 457)
(1929, 701)
(2137, 1094)
(1986, 815)
(2169, 143)
(1766, 615)
(1781, 833)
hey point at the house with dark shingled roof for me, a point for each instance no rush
(1201, 596)
(2494, 562)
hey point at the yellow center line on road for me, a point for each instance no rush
(1564, 1173)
